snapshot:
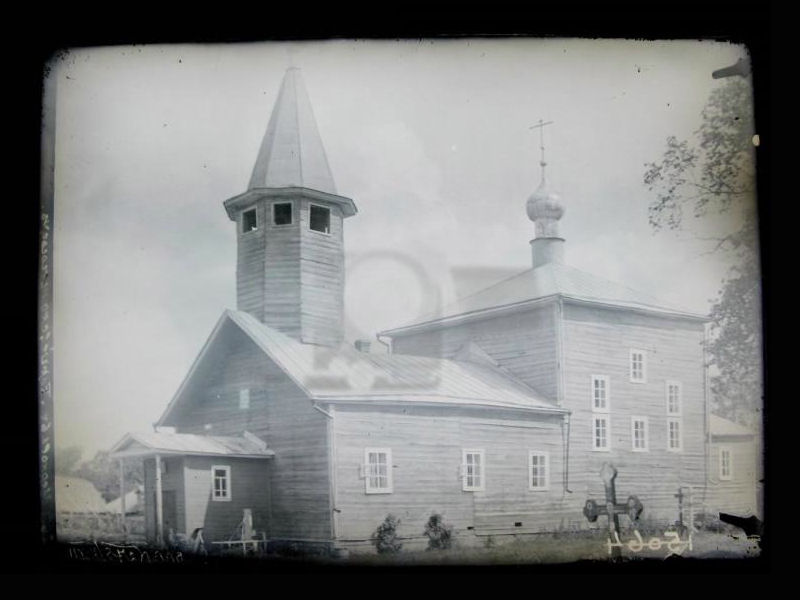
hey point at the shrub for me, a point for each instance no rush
(385, 536)
(440, 535)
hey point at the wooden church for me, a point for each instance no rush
(497, 413)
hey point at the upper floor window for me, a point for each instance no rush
(378, 470)
(221, 483)
(638, 368)
(639, 434)
(319, 218)
(673, 397)
(725, 464)
(674, 435)
(600, 393)
(538, 470)
(600, 433)
(249, 221)
(244, 399)
(282, 213)
(472, 471)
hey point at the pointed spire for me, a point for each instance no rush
(292, 154)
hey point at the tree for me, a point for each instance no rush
(713, 178)
(103, 472)
(67, 459)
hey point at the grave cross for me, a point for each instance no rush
(633, 507)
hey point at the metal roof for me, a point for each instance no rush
(549, 280)
(345, 373)
(151, 443)
(720, 426)
(291, 153)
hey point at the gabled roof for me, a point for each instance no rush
(345, 374)
(74, 494)
(719, 427)
(291, 153)
(550, 280)
(151, 443)
(133, 502)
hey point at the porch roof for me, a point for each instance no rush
(143, 445)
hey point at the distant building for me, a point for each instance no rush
(497, 413)
(733, 456)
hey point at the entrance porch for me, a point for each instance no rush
(198, 487)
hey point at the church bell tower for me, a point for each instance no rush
(289, 227)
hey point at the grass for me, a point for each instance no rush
(563, 548)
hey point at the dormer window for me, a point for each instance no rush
(282, 213)
(249, 221)
(319, 218)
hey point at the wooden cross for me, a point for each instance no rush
(681, 526)
(540, 126)
(633, 508)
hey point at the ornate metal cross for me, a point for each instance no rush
(540, 126)
(633, 508)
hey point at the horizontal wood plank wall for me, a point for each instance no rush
(737, 495)
(598, 342)
(524, 344)
(322, 279)
(282, 277)
(426, 446)
(280, 414)
(250, 255)
(219, 519)
(171, 481)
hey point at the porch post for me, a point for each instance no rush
(159, 505)
(122, 497)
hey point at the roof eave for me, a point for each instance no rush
(526, 304)
(401, 400)
(232, 205)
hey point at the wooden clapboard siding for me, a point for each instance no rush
(427, 447)
(597, 342)
(523, 343)
(281, 414)
(321, 278)
(250, 260)
(219, 519)
(290, 277)
(738, 494)
(171, 481)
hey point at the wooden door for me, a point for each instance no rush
(170, 512)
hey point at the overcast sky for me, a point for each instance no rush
(431, 139)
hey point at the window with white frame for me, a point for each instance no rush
(378, 470)
(600, 393)
(725, 464)
(674, 435)
(538, 470)
(674, 397)
(638, 367)
(244, 399)
(221, 483)
(601, 432)
(472, 469)
(639, 434)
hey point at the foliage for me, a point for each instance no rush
(385, 536)
(439, 534)
(713, 177)
(67, 459)
(103, 472)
